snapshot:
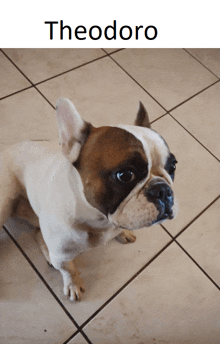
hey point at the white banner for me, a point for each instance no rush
(110, 24)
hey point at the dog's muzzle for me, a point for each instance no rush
(161, 195)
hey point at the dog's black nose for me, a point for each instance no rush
(159, 191)
(162, 193)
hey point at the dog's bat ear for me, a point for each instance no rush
(72, 129)
(142, 119)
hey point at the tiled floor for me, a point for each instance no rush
(164, 287)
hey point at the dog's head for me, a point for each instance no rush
(127, 171)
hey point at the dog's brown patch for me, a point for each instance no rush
(111, 149)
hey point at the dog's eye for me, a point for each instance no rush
(126, 176)
(172, 169)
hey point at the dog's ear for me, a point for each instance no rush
(142, 119)
(73, 130)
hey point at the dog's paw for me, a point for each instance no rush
(126, 237)
(74, 289)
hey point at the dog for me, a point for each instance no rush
(93, 185)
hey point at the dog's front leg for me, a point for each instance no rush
(73, 284)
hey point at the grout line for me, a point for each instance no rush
(187, 226)
(40, 82)
(159, 117)
(185, 101)
(193, 220)
(174, 118)
(45, 97)
(71, 337)
(145, 266)
(113, 52)
(75, 334)
(194, 95)
(194, 137)
(16, 67)
(168, 112)
(194, 261)
(70, 70)
(41, 277)
(33, 85)
(47, 286)
(54, 76)
(12, 94)
(197, 265)
(107, 55)
(185, 49)
(124, 285)
(138, 83)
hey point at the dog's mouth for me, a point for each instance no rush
(143, 214)
(167, 214)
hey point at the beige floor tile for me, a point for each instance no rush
(171, 301)
(197, 174)
(209, 57)
(102, 93)
(104, 269)
(3, 147)
(201, 240)
(200, 115)
(40, 64)
(169, 75)
(28, 311)
(11, 79)
(25, 116)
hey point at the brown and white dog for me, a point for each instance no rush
(102, 182)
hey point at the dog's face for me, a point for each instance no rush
(127, 171)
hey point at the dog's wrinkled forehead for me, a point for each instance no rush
(109, 148)
(154, 145)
